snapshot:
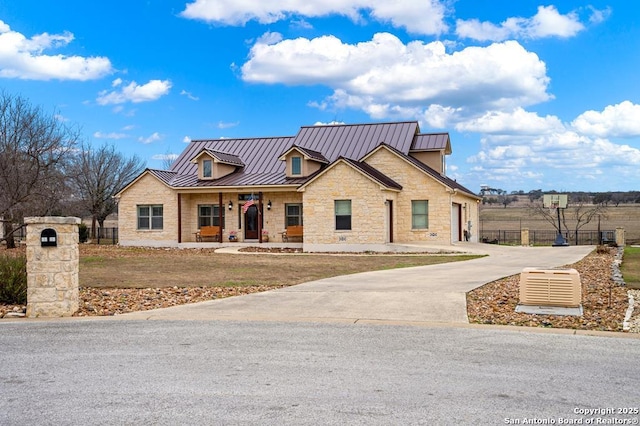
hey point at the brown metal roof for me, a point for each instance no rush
(222, 157)
(314, 155)
(262, 166)
(355, 140)
(432, 142)
(259, 155)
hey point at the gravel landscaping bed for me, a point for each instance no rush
(604, 302)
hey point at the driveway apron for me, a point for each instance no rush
(435, 293)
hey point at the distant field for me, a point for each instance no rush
(514, 218)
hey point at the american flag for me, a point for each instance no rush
(248, 204)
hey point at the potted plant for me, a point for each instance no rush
(233, 236)
(265, 236)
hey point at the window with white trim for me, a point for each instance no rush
(150, 217)
(343, 214)
(419, 214)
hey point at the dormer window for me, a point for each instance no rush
(296, 166)
(207, 168)
(302, 162)
(215, 165)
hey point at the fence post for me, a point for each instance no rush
(620, 240)
(524, 236)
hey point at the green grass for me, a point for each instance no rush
(630, 267)
(92, 259)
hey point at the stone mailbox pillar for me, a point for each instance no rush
(52, 266)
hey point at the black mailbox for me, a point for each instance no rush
(48, 238)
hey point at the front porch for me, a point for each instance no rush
(239, 245)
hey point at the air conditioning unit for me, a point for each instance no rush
(550, 287)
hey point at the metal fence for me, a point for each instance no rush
(542, 238)
(105, 235)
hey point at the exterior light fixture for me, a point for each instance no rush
(269, 205)
(230, 205)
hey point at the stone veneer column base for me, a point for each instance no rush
(52, 271)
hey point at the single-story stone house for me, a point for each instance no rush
(343, 187)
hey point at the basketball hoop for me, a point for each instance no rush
(555, 202)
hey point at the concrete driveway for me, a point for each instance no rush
(411, 295)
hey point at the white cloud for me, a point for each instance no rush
(154, 137)
(417, 16)
(23, 58)
(223, 125)
(598, 16)
(165, 157)
(548, 22)
(562, 157)
(331, 123)
(186, 139)
(133, 92)
(621, 120)
(111, 135)
(385, 74)
(517, 121)
(189, 95)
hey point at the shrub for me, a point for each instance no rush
(83, 233)
(13, 279)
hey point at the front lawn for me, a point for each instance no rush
(630, 267)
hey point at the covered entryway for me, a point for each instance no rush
(251, 217)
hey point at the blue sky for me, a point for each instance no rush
(534, 95)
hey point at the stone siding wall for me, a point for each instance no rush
(368, 209)
(416, 185)
(147, 191)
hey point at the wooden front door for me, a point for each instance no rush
(251, 223)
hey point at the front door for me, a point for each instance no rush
(251, 223)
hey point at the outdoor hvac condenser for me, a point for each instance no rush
(550, 287)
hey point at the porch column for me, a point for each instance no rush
(179, 218)
(260, 218)
(220, 212)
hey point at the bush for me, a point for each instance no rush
(13, 279)
(83, 233)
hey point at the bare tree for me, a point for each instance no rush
(96, 175)
(33, 147)
(578, 213)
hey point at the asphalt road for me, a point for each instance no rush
(72, 372)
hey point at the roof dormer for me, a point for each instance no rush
(214, 165)
(431, 149)
(302, 162)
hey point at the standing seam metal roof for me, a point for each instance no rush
(261, 155)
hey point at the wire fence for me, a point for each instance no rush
(546, 237)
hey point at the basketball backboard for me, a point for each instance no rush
(558, 201)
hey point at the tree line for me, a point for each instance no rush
(47, 169)
(611, 198)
